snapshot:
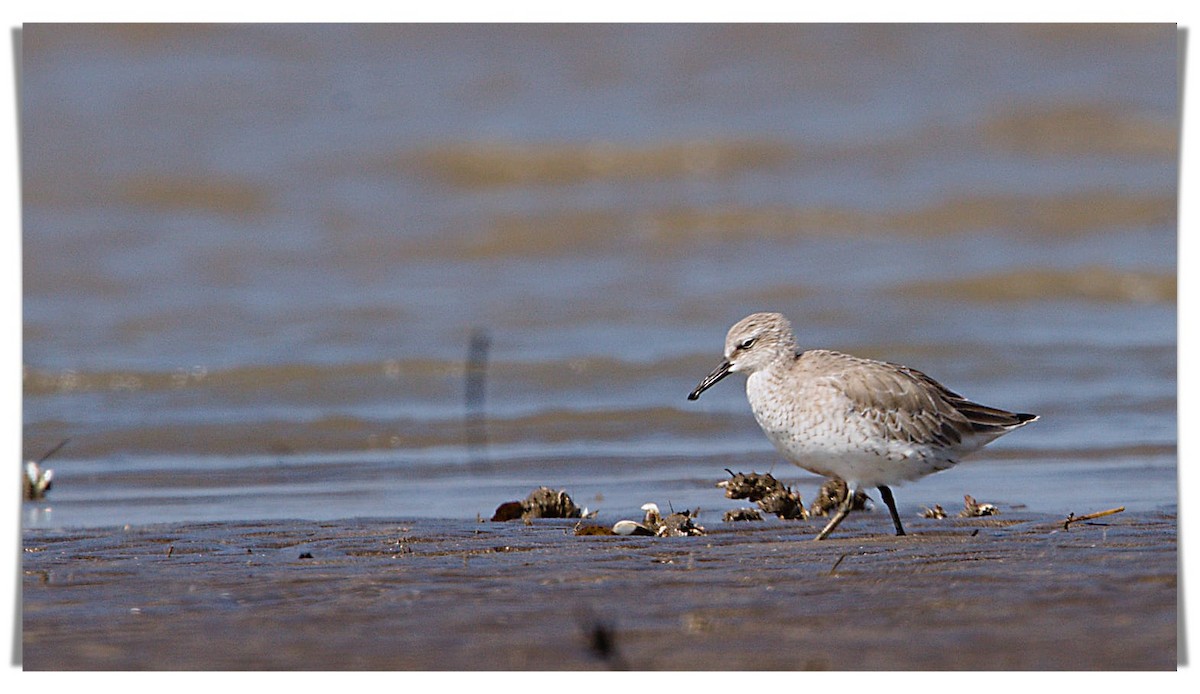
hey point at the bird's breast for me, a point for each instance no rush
(819, 429)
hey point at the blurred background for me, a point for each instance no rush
(256, 257)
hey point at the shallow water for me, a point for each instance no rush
(254, 257)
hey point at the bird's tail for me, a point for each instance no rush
(991, 420)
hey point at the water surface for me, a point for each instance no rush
(254, 257)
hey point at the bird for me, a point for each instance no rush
(870, 423)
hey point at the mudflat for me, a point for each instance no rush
(1016, 591)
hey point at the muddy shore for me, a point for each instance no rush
(1015, 591)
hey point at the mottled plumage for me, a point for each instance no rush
(870, 423)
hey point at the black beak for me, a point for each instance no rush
(717, 374)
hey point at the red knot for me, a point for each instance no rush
(870, 423)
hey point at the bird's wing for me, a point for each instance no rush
(902, 404)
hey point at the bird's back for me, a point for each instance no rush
(871, 421)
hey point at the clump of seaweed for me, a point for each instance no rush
(974, 509)
(784, 503)
(769, 493)
(751, 486)
(937, 512)
(678, 524)
(742, 514)
(830, 497)
(542, 502)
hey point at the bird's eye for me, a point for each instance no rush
(747, 343)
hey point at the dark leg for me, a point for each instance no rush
(886, 493)
(842, 510)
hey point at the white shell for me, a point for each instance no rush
(628, 527)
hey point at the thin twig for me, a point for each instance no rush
(52, 451)
(837, 564)
(1089, 516)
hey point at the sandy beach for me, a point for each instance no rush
(1016, 591)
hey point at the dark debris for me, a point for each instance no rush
(542, 502)
(742, 514)
(680, 524)
(751, 486)
(974, 509)
(593, 529)
(769, 493)
(936, 512)
(831, 495)
(784, 503)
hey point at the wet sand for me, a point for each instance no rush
(1015, 591)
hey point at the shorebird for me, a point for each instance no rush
(870, 423)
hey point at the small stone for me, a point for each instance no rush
(509, 510)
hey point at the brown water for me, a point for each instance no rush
(254, 256)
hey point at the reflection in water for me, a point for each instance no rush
(476, 384)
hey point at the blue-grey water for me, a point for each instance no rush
(254, 257)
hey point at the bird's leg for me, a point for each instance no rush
(843, 509)
(886, 493)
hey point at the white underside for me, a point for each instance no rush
(828, 437)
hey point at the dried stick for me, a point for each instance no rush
(52, 451)
(837, 564)
(1090, 516)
